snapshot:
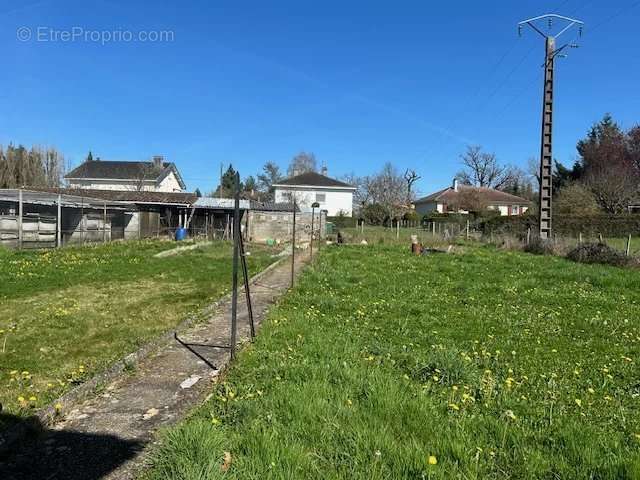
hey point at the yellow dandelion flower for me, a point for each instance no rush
(578, 402)
(433, 460)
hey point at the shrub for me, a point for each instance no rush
(342, 221)
(411, 216)
(375, 214)
(540, 246)
(598, 253)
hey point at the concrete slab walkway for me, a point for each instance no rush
(108, 436)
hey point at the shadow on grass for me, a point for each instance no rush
(56, 455)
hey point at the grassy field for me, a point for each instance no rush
(66, 314)
(480, 364)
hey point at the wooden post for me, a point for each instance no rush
(433, 228)
(600, 238)
(580, 238)
(529, 236)
(59, 223)
(20, 212)
(82, 220)
(206, 225)
(467, 234)
(628, 245)
(397, 229)
(104, 223)
(362, 227)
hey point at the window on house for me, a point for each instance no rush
(321, 197)
(515, 210)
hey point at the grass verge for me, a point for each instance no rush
(483, 364)
(68, 313)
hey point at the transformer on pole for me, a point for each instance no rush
(546, 143)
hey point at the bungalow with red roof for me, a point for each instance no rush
(466, 198)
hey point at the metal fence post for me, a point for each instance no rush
(20, 212)
(234, 295)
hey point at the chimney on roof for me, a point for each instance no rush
(158, 161)
(455, 184)
(324, 170)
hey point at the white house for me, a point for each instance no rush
(154, 176)
(459, 198)
(333, 195)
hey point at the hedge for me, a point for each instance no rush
(343, 221)
(567, 225)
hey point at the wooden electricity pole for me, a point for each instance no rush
(546, 143)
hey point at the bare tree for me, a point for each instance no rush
(388, 189)
(146, 171)
(481, 169)
(361, 196)
(411, 177)
(302, 163)
(42, 167)
(533, 170)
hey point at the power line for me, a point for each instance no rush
(615, 15)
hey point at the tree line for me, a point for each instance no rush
(37, 166)
(606, 175)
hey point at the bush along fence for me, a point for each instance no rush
(566, 225)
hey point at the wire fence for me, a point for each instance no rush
(477, 231)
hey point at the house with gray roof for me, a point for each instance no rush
(152, 176)
(332, 195)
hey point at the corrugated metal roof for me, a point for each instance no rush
(221, 203)
(173, 198)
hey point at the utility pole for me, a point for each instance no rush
(546, 143)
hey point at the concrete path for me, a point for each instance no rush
(107, 437)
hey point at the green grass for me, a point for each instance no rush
(66, 314)
(498, 364)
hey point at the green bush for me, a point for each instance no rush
(540, 246)
(342, 221)
(375, 214)
(566, 225)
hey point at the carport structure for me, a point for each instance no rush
(40, 219)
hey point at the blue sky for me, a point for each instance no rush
(358, 83)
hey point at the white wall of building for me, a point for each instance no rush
(425, 208)
(169, 184)
(333, 200)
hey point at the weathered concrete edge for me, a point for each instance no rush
(46, 416)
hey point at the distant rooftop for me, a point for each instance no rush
(312, 179)
(491, 195)
(125, 170)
